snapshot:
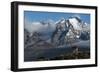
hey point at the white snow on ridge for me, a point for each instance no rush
(75, 24)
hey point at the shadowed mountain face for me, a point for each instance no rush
(56, 39)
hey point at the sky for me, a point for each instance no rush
(35, 16)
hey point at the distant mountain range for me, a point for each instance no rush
(48, 34)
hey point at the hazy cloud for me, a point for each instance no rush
(39, 27)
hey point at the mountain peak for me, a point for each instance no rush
(59, 32)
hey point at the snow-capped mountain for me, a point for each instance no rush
(68, 30)
(57, 33)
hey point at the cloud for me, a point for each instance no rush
(39, 27)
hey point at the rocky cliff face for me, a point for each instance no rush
(26, 36)
(70, 30)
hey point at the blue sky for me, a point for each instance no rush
(32, 16)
